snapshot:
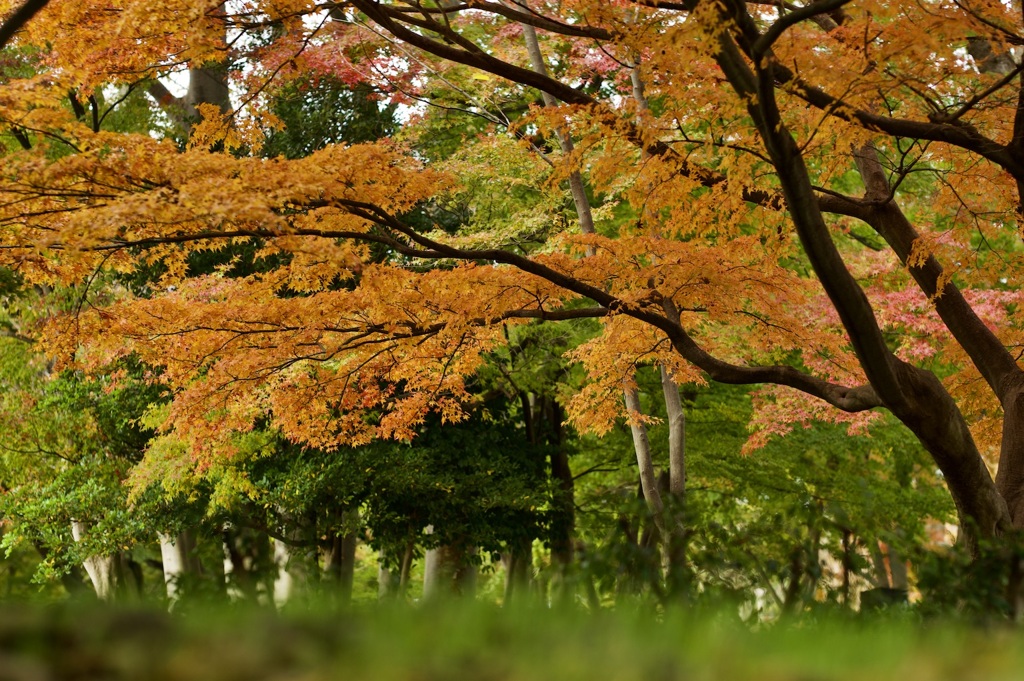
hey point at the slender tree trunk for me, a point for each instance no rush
(676, 514)
(675, 522)
(576, 186)
(674, 539)
(644, 462)
(405, 569)
(394, 583)
(847, 565)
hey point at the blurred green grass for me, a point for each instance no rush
(463, 641)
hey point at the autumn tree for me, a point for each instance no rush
(810, 186)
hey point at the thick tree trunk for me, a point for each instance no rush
(339, 565)
(913, 395)
(17, 20)
(1010, 476)
(890, 567)
(437, 574)
(388, 581)
(434, 570)
(248, 565)
(207, 84)
(110, 574)
(284, 586)
(468, 574)
(563, 516)
(448, 571)
(297, 562)
(793, 594)
(543, 419)
(346, 579)
(181, 564)
(1010, 483)
(930, 413)
(518, 562)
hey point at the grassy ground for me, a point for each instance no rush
(483, 644)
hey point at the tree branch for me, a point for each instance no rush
(21, 16)
(792, 18)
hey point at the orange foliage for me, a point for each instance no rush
(336, 348)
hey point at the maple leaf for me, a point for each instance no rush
(763, 137)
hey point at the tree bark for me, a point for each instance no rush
(675, 539)
(435, 571)
(576, 186)
(448, 570)
(339, 562)
(518, 562)
(107, 573)
(181, 564)
(348, 544)
(542, 417)
(17, 21)
(207, 84)
(914, 396)
(388, 581)
(297, 564)
(247, 564)
(644, 462)
(563, 516)
(676, 515)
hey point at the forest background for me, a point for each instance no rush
(703, 304)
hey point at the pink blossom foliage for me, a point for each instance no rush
(778, 409)
(904, 314)
(337, 51)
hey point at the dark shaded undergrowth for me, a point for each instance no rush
(485, 644)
